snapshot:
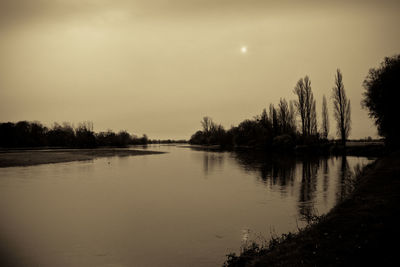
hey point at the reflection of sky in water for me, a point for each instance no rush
(182, 208)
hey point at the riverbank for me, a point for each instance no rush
(363, 230)
(359, 149)
(13, 158)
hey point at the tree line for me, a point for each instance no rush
(285, 125)
(35, 134)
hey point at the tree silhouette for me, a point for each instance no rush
(286, 117)
(292, 115)
(300, 104)
(264, 120)
(275, 121)
(341, 108)
(381, 98)
(283, 115)
(313, 130)
(34, 134)
(325, 119)
(84, 135)
(305, 105)
(207, 124)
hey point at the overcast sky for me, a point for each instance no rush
(157, 67)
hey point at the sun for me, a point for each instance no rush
(243, 49)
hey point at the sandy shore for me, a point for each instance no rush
(12, 158)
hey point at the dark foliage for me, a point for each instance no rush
(144, 140)
(34, 134)
(22, 133)
(212, 134)
(59, 136)
(276, 130)
(381, 98)
(121, 139)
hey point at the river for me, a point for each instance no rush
(186, 207)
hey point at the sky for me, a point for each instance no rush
(158, 67)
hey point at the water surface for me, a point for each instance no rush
(183, 208)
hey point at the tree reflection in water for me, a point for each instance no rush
(211, 161)
(282, 171)
(276, 172)
(325, 171)
(346, 183)
(307, 188)
(313, 181)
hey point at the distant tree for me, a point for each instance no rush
(22, 134)
(207, 124)
(286, 117)
(264, 120)
(283, 115)
(84, 135)
(292, 116)
(271, 109)
(217, 135)
(38, 134)
(144, 139)
(382, 96)
(341, 108)
(8, 135)
(300, 104)
(305, 105)
(108, 138)
(313, 130)
(325, 119)
(123, 139)
(61, 135)
(34, 134)
(212, 134)
(197, 138)
(250, 133)
(274, 120)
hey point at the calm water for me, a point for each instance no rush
(183, 208)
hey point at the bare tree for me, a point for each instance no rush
(292, 115)
(325, 119)
(274, 120)
(270, 114)
(264, 118)
(283, 115)
(300, 104)
(341, 108)
(207, 124)
(305, 105)
(313, 120)
(84, 126)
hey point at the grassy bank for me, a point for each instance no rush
(363, 230)
(12, 158)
